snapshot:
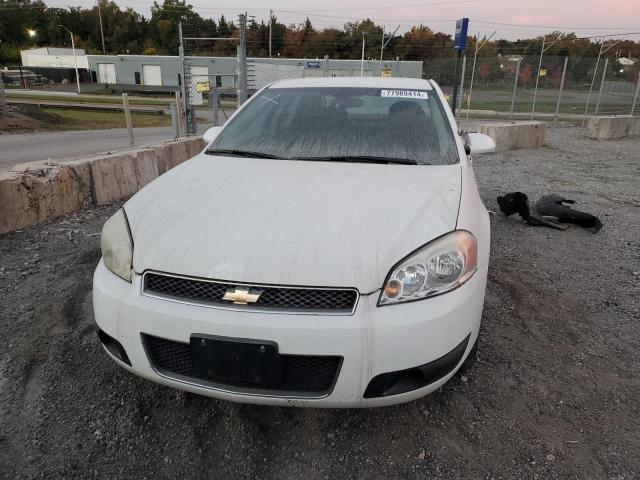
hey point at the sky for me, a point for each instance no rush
(511, 19)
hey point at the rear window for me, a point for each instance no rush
(313, 123)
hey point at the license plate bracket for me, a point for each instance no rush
(236, 361)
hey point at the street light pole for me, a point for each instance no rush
(75, 59)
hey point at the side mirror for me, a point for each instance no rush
(211, 134)
(477, 143)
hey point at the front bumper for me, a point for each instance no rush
(373, 341)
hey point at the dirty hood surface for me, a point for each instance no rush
(290, 222)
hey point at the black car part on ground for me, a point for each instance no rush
(518, 202)
(550, 211)
(554, 205)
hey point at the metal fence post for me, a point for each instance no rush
(473, 71)
(464, 69)
(515, 88)
(183, 83)
(242, 61)
(181, 117)
(213, 103)
(635, 97)
(174, 120)
(535, 91)
(604, 74)
(3, 98)
(564, 73)
(127, 117)
(593, 80)
(326, 65)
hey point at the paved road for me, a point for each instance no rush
(29, 147)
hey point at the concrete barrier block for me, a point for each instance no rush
(31, 197)
(613, 127)
(38, 191)
(178, 153)
(510, 136)
(116, 177)
(163, 157)
(112, 178)
(145, 165)
(194, 146)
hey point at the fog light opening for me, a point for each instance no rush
(114, 347)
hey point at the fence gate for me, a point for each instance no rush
(209, 81)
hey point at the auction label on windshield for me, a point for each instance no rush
(404, 93)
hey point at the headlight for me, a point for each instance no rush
(438, 267)
(117, 246)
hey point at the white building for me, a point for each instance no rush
(47, 57)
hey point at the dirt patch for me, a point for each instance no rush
(26, 118)
(554, 393)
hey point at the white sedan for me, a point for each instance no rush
(328, 248)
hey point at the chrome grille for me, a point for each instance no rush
(289, 299)
(301, 374)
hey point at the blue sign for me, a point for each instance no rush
(460, 42)
(313, 64)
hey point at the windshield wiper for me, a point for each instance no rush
(242, 153)
(362, 159)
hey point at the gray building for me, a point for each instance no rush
(165, 73)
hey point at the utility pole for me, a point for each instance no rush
(270, 30)
(101, 30)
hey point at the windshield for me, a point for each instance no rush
(345, 124)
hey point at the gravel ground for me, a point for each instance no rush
(554, 393)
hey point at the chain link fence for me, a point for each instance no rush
(570, 87)
(503, 85)
(209, 83)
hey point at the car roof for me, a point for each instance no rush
(366, 82)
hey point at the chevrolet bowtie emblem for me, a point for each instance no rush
(242, 296)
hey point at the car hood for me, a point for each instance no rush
(290, 222)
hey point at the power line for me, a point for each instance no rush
(393, 6)
(487, 22)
